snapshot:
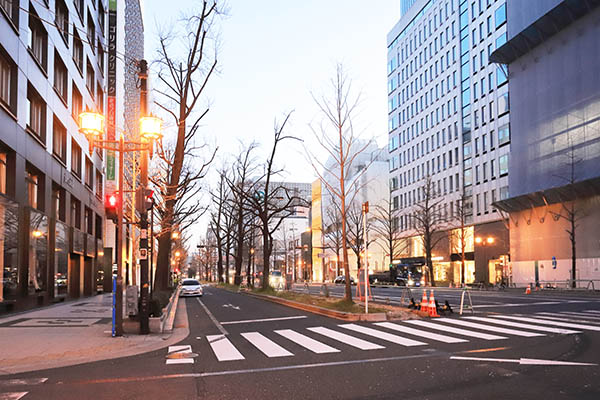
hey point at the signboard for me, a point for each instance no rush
(112, 90)
(553, 262)
(143, 254)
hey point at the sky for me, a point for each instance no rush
(274, 54)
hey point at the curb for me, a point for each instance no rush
(168, 318)
(345, 316)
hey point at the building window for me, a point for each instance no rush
(75, 159)
(61, 18)
(76, 103)
(33, 185)
(503, 134)
(75, 212)
(500, 15)
(58, 202)
(503, 105)
(38, 40)
(99, 184)
(90, 79)
(101, 56)
(36, 118)
(501, 74)
(100, 98)
(8, 82)
(78, 51)
(79, 4)
(10, 8)
(59, 140)
(101, 17)
(89, 173)
(91, 32)
(485, 202)
(492, 172)
(468, 179)
(61, 78)
(503, 164)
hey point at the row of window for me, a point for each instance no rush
(493, 173)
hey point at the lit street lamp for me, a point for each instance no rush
(92, 126)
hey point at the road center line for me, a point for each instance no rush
(212, 318)
(248, 321)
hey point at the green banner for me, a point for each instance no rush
(110, 165)
(112, 5)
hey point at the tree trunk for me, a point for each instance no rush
(267, 249)
(573, 251)
(163, 263)
(219, 260)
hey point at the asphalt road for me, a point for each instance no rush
(240, 347)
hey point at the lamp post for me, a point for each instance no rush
(92, 126)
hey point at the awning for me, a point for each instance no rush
(555, 20)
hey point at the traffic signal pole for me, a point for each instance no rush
(144, 293)
(118, 331)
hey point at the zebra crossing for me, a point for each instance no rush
(12, 384)
(410, 333)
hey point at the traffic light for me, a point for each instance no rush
(143, 199)
(111, 206)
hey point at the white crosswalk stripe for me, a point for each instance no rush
(497, 329)
(524, 326)
(421, 333)
(306, 342)
(266, 345)
(565, 318)
(223, 349)
(347, 339)
(554, 323)
(458, 331)
(592, 311)
(578, 314)
(12, 395)
(383, 335)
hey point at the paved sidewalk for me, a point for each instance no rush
(73, 333)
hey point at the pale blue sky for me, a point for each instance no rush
(275, 52)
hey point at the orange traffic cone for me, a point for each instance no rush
(528, 290)
(424, 302)
(432, 307)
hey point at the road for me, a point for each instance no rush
(240, 347)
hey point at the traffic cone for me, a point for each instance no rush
(528, 290)
(424, 302)
(432, 307)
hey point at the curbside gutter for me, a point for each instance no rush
(345, 316)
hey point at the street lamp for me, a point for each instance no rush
(485, 242)
(91, 124)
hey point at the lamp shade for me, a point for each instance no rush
(150, 128)
(91, 123)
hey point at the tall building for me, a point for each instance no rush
(52, 67)
(553, 58)
(449, 120)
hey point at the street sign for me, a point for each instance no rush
(553, 262)
(143, 254)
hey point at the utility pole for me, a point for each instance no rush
(144, 300)
(365, 209)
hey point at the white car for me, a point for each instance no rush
(190, 287)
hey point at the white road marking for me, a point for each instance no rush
(12, 395)
(223, 349)
(521, 361)
(421, 333)
(212, 318)
(383, 335)
(180, 361)
(248, 321)
(524, 326)
(565, 318)
(306, 342)
(181, 349)
(26, 381)
(580, 315)
(592, 311)
(347, 339)
(266, 345)
(458, 331)
(548, 322)
(490, 328)
(517, 304)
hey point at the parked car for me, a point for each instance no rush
(190, 287)
(342, 279)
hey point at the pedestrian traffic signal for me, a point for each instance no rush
(111, 206)
(144, 199)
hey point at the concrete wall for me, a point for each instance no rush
(520, 14)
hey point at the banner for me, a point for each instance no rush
(112, 91)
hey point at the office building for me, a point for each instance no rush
(553, 58)
(449, 121)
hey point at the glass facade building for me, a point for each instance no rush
(449, 122)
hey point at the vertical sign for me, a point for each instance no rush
(112, 90)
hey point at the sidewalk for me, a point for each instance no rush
(73, 333)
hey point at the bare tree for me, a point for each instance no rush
(332, 232)
(386, 228)
(572, 213)
(217, 220)
(335, 134)
(274, 203)
(182, 81)
(356, 239)
(460, 235)
(429, 222)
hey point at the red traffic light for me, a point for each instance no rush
(111, 205)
